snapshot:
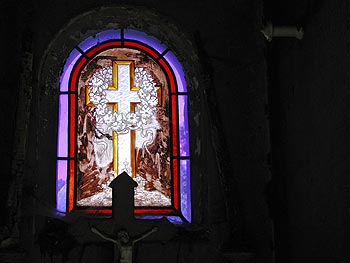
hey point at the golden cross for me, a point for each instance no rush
(122, 96)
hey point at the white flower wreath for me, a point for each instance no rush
(142, 119)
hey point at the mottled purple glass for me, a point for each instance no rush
(144, 38)
(175, 219)
(177, 68)
(62, 143)
(88, 43)
(183, 126)
(61, 185)
(108, 35)
(103, 36)
(67, 69)
(185, 189)
(172, 219)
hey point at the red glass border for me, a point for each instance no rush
(71, 183)
(170, 75)
(138, 211)
(174, 124)
(176, 183)
(72, 127)
(101, 47)
(75, 74)
(147, 50)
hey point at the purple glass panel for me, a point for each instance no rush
(62, 143)
(87, 43)
(108, 35)
(175, 219)
(61, 185)
(183, 126)
(172, 219)
(144, 38)
(103, 36)
(67, 69)
(185, 188)
(177, 68)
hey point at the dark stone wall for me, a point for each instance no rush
(10, 67)
(232, 54)
(308, 110)
(309, 95)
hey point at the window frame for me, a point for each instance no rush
(180, 163)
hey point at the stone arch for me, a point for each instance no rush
(141, 19)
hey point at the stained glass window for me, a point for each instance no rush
(123, 107)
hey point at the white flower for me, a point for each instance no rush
(145, 112)
(132, 119)
(153, 101)
(101, 109)
(108, 118)
(119, 123)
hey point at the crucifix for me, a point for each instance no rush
(123, 219)
(122, 229)
(123, 243)
(122, 97)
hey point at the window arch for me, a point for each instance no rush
(145, 134)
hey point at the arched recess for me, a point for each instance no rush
(82, 31)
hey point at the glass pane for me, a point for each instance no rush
(63, 126)
(174, 219)
(123, 125)
(71, 184)
(61, 185)
(177, 68)
(150, 217)
(183, 126)
(185, 189)
(174, 125)
(108, 35)
(72, 126)
(88, 43)
(99, 38)
(131, 122)
(142, 37)
(72, 58)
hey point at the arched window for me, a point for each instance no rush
(123, 107)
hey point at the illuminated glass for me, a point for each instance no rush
(120, 110)
(61, 185)
(62, 150)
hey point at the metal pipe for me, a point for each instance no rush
(270, 31)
